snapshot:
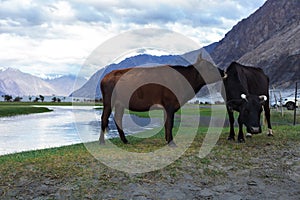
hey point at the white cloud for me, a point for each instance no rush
(56, 36)
(61, 11)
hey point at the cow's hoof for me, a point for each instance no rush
(230, 138)
(248, 135)
(172, 144)
(241, 140)
(102, 142)
(125, 141)
(270, 134)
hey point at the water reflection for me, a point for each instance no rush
(64, 126)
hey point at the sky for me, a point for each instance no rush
(50, 37)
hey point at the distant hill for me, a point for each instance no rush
(17, 83)
(269, 39)
(14, 82)
(64, 85)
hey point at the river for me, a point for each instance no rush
(65, 125)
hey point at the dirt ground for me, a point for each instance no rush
(232, 171)
(272, 175)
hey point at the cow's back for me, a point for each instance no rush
(243, 79)
(257, 82)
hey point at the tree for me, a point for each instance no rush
(58, 100)
(7, 97)
(18, 99)
(36, 99)
(54, 99)
(42, 98)
(30, 97)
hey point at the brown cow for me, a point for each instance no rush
(165, 87)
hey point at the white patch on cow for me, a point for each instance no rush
(248, 135)
(270, 132)
(225, 75)
(244, 96)
(264, 97)
(156, 106)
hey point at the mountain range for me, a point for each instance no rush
(17, 83)
(91, 89)
(268, 38)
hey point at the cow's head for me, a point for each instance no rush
(250, 108)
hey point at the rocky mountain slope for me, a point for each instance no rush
(270, 39)
(14, 82)
(17, 83)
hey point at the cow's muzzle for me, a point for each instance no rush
(255, 130)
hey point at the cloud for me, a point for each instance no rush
(58, 35)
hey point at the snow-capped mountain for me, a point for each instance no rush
(64, 85)
(17, 83)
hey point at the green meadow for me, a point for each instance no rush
(72, 171)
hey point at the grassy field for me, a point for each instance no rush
(23, 108)
(3, 103)
(189, 109)
(12, 110)
(71, 172)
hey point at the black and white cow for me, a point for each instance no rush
(247, 92)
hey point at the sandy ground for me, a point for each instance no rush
(273, 175)
(268, 173)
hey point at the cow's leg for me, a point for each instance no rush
(104, 122)
(169, 116)
(119, 111)
(231, 121)
(268, 118)
(241, 134)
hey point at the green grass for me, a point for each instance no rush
(9, 110)
(277, 118)
(286, 117)
(35, 103)
(75, 160)
(74, 166)
(23, 108)
(2, 103)
(189, 110)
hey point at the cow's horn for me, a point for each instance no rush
(263, 97)
(244, 96)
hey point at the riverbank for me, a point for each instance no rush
(262, 168)
(13, 110)
(8, 109)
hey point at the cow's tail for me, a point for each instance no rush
(264, 118)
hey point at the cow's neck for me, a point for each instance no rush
(194, 78)
(194, 75)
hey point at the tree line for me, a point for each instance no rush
(41, 98)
